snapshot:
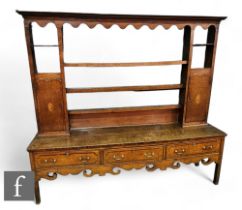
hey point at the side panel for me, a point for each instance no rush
(199, 89)
(50, 106)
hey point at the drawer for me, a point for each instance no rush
(179, 150)
(67, 158)
(133, 154)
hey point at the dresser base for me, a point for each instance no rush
(108, 150)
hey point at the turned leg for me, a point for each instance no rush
(37, 192)
(217, 173)
(196, 164)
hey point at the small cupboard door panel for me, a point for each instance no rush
(50, 107)
(198, 96)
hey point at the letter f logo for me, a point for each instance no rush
(17, 185)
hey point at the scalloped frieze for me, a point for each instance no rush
(90, 170)
(108, 24)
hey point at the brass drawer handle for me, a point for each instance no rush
(84, 159)
(207, 147)
(118, 157)
(50, 160)
(149, 154)
(179, 152)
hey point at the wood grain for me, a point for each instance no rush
(198, 96)
(121, 136)
(50, 103)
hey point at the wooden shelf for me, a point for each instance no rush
(46, 45)
(130, 64)
(124, 88)
(203, 45)
(122, 109)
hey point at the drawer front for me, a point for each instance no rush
(179, 150)
(134, 154)
(67, 158)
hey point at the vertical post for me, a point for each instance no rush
(32, 62)
(62, 68)
(185, 72)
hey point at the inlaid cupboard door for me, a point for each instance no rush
(50, 107)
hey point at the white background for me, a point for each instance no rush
(186, 188)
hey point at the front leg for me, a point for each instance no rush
(218, 165)
(36, 191)
(217, 173)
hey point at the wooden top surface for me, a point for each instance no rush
(96, 137)
(57, 15)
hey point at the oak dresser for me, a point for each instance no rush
(100, 141)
